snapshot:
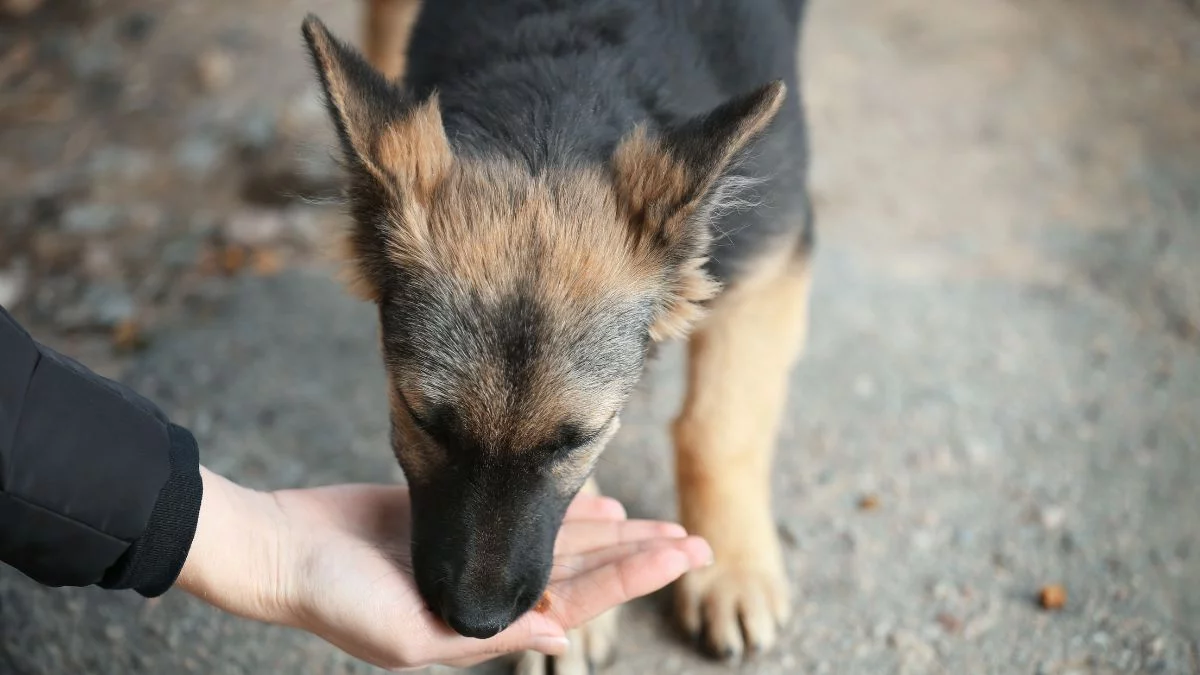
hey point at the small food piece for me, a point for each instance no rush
(868, 502)
(127, 336)
(214, 69)
(266, 262)
(949, 622)
(543, 605)
(233, 259)
(1052, 597)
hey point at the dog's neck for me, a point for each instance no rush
(535, 120)
(543, 91)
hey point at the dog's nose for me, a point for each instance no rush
(470, 624)
(479, 615)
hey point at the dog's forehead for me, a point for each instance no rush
(443, 329)
(513, 369)
(520, 306)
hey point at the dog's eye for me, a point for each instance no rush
(417, 418)
(571, 437)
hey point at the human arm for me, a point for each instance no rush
(97, 487)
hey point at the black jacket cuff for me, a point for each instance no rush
(152, 563)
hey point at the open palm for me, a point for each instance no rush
(348, 576)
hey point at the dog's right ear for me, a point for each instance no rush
(396, 153)
(400, 144)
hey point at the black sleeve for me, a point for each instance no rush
(96, 485)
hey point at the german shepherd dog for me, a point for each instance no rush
(540, 190)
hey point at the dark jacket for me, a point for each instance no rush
(96, 485)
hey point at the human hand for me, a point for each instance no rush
(334, 561)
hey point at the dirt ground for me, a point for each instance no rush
(1004, 355)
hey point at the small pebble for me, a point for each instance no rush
(864, 386)
(197, 155)
(787, 535)
(254, 227)
(257, 131)
(1052, 517)
(182, 252)
(103, 305)
(89, 219)
(137, 26)
(12, 284)
(93, 59)
(99, 261)
(214, 69)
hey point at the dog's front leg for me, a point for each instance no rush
(739, 361)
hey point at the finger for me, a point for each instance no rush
(582, 598)
(595, 507)
(568, 566)
(590, 535)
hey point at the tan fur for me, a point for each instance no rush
(659, 194)
(739, 362)
(340, 250)
(387, 25)
(415, 150)
(476, 236)
(422, 457)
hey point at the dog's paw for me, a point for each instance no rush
(734, 611)
(593, 646)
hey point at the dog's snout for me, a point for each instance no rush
(480, 608)
(483, 547)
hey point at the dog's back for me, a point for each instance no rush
(557, 82)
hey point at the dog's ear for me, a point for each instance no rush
(670, 185)
(399, 143)
(395, 151)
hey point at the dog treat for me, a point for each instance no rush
(868, 502)
(1052, 597)
(543, 605)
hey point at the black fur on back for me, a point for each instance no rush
(557, 83)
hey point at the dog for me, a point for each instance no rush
(540, 191)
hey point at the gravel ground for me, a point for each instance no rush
(1001, 389)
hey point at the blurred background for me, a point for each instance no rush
(1002, 387)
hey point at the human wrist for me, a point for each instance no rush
(235, 562)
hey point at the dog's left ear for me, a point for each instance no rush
(668, 187)
(401, 145)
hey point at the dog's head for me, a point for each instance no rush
(515, 314)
